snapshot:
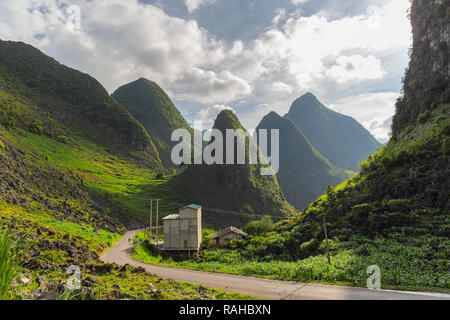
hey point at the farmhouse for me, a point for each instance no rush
(226, 235)
(183, 231)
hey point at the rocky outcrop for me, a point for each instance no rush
(426, 82)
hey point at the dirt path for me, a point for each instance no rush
(261, 288)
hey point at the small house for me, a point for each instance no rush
(226, 235)
(183, 231)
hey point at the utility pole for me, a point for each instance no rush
(157, 222)
(151, 220)
(326, 239)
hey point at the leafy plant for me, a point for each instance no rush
(11, 255)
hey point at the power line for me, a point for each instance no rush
(242, 214)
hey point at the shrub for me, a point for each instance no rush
(310, 247)
(424, 116)
(2, 146)
(259, 227)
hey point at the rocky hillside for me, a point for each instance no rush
(237, 188)
(401, 195)
(151, 106)
(304, 173)
(426, 83)
(339, 138)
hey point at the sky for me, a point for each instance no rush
(251, 56)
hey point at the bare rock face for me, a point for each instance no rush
(426, 82)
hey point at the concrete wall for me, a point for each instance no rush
(187, 228)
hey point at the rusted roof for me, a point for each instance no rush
(228, 230)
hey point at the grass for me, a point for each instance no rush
(12, 252)
(403, 267)
(116, 178)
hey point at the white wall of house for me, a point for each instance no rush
(184, 233)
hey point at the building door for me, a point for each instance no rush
(185, 243)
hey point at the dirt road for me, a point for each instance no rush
(261, 288)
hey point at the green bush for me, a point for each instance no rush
(2, 146)
(259, 227)
(310, 247)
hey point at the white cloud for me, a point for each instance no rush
(356, 67)
(282, 87)
(210, 87)
(120, 41)
(297, 2)
(208, 115)
(373, 110)
(193, 5)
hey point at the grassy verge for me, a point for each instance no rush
(401, 266)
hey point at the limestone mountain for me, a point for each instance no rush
(426, 83)
(75, 99)
(304, 173)
(239, 188)
(402, 191)
(339, 138)
(152, 107)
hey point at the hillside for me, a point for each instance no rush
(151, 106)
(339, 138)
(394, 213)
(304, 173)
(237, 188)
(71, 97)
(67, 189)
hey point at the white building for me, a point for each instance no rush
(183, 231)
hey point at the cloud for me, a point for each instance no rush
(208, 115)
(193, 5)
(297, 2)
(120, 41)
(282, 87)
(210, 87)
(356, 67)
(373, 110)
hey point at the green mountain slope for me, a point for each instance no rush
(395, 212)
(236, 188)
(71, 97)
(339, 138)
(151, 106)
(70, 190)
(304, 173)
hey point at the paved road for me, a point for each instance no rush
(261, 288)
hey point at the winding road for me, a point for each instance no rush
(260, 288)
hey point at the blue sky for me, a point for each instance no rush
(251, 56)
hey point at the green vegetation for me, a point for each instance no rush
(151, 106)
(12, 252)
(238, 188)
(77, 170)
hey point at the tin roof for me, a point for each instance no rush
(193, 206)
(172, 217)
(228, 230)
